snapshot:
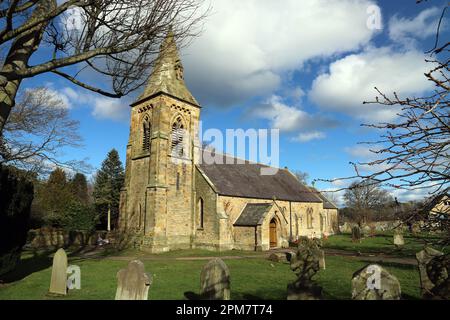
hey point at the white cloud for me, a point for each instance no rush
(422, 26)
(309, 136)
(282, 116)
(351, 80)
(290, 118)
(102, 107)
(247, 45)
(107, 108)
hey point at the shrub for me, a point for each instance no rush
(79, 217)
(16, 195)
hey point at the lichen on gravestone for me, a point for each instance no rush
(132, 282)
(375, 283)
(305, 264)
(434, 269)
(215, 281)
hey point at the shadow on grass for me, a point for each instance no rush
(37, 260)
(27, 266)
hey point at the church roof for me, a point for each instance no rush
(167, 75)
(253, 214)
(327, 204)
(245, 180)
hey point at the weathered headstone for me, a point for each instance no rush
(132, 282)
(289, 255)
(58, 282)
(305, 263)
(322, 259)
(278, 257)
(428, 265)
(374, 283)
(438, 271)
(399, 242)
(215, 281)
(356, 234)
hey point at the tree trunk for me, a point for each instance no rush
(17, 59)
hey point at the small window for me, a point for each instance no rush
(178, 181)
(200, 213)
(309, 218)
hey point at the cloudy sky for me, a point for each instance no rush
(303, 67)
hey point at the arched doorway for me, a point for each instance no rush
(273, 233)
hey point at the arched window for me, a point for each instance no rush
(177, 144)
(146, 133)
(200, 213)
(309, 218)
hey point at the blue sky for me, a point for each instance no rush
(303, 67)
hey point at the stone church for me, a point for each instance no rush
(173, 200)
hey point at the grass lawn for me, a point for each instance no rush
(380, 244)
(251, 278)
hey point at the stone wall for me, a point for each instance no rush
(296, 219)
(51, 238)
(378, 226)
(244, 238)
(208, 236)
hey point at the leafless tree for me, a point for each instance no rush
(116, 39)
(413, 152)
(39, 127)
(364, 199)
(302, 176)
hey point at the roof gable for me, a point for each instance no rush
(253, 214)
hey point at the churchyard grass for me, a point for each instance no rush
(381, 244)
(251, 278)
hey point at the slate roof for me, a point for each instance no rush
(253, 214)
(164, 77)
(245, 180)
(327, 204)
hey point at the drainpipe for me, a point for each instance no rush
(256, 238)
(290, 221)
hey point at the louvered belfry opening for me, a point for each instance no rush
(146, 132)
(177, 137)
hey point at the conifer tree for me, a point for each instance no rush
(108, 182)
(79, 188)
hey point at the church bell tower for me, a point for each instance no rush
(157, 201)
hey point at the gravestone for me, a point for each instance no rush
(289, 255)
(132, 282)
(322, 260)
(438, 271)
(356, 234)
(215, 281)
(431, 270)
(398, 238)
(305, 264)
(278, 257)
(58, 282)
(374, 283)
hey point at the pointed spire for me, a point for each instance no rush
(167, 75)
